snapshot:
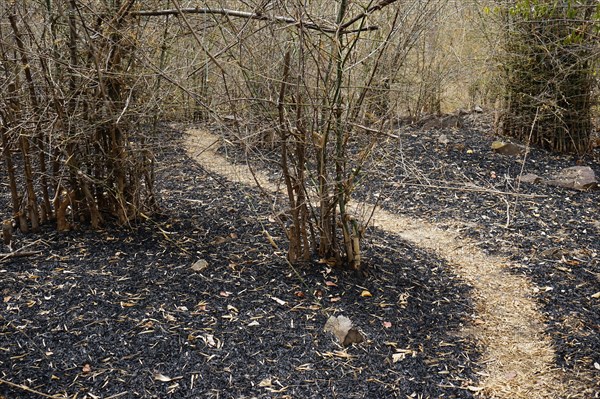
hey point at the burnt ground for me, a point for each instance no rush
(120, 313)
(552, 237)
(451, 177)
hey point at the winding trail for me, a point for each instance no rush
(518, 358)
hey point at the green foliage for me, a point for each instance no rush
(544, 9)
(548, 73)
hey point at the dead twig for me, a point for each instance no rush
(30, 390)
(475, 189)
(11, 255)
(371, 130)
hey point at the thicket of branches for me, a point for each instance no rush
(316, 82)
(69, 99)
(549, 68)
(320, 82)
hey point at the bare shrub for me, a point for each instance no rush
(70, 92)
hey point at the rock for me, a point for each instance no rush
(452, 121)
(343, 329)
(353, 337)
(530, 178)
(338, 326)
(507, 148)
(446, 122)
(477, 109)
(199, 265)
(580, 178)
(443, 139)
(431, 122)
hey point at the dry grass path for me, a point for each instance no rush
(518, 358)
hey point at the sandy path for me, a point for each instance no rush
(518, 358)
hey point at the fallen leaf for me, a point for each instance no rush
(596, 295)
(366, 293)
(330, 283)
(387, 324)
(232, 308)
(225, 294)
(199, 265)
(299, 294)
(219, 240)
(169, 317)
(279, 301)
(266, 382)
(396, 357)
(86, 368)
(253, 323)
(162, 377)
(148, 324)
(209, 340)
(335, 299)
(401, 354)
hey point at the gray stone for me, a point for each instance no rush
(580, 178)
(530, 178)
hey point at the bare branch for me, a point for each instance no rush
(370, 10)
(261, 17)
